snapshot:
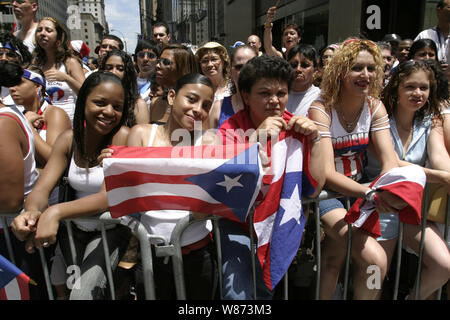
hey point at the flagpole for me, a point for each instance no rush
(252, 250)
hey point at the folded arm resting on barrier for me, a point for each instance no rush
(41, 228)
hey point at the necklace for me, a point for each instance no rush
(349, 125)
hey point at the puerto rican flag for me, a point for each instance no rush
(407, 183)
(220, 180)
(13, 282)
(279, 220)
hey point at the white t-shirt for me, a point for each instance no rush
(299, 102)
(441, 42)
(29, 40)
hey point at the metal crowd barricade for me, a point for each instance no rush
(172, 248)
(324, 195)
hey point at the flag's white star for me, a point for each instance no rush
(292, 207)
(230, 183)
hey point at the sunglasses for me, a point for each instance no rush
(147, 54)
(164, 61)
(238, 67)
(9, 54)
(303, 65)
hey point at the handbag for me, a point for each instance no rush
(66, 192)
(437, 209)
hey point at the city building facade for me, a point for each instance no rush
(87, 21)
(321, 21)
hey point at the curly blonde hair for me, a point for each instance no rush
(341, 64)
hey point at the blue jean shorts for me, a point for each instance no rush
(389, 226)
(328, 205)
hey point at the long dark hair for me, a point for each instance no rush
(420, 44)
(129, 81)
(403, 71)
(192, 78)
(79, 130)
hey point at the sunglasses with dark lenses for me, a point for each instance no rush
(238, 67)
(164, 61)
(147, 54)
(304, 65)
(9, 54)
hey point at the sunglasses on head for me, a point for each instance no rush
(147, 54)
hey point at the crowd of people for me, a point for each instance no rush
(358, 108)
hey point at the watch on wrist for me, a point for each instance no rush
(267, 25)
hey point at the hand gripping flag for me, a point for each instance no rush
(407, 183)
(279, 220)
(13, 282)
(220, 180)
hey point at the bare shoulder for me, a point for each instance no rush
(139, 134)
(121, 136)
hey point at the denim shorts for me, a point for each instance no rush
(389, 226)
(328, 205)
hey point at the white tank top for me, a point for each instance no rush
(85, 183)
(162, 222)
(30, 172)
(61, 95)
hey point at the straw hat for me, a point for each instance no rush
(222, 52)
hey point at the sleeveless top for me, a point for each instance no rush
(227, 110)
(61, 95)
(30, 172)
(85, 182)
(350, 147)
(162, 222)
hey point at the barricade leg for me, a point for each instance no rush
(347, 261)
(8, 241)
(108, 262)
(147, 262)
(318, 250)
(422, 241)
(216, 231)
(253, 255)
(348, 255)
(46, 274)
(178, 271)
(399, 260)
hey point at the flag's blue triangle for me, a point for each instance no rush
(234, 182)
(8, 271)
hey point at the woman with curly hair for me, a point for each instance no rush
(63, 71)
(416, 129)
(351, 119)
(121, 64)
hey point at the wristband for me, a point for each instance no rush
(268, 26)
(317, 139)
